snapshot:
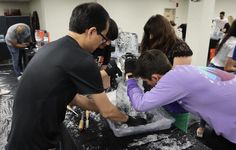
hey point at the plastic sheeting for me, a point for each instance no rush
(8, 82)
(157, 119)
(126, 42)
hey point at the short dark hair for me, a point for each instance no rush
(151, 62)
(88, 15)
(112, 33)
(222, 13)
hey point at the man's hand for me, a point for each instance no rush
(135, 121)
(130, 63)
(112, 69)
(22, 45)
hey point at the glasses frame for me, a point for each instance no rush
(104, 39)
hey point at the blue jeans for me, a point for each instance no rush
(15, 52)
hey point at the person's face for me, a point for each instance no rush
(221, 16)
(153, 81)
(93, 38)
(100, 38)
(104, 44)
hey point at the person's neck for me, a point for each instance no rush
(78, 38)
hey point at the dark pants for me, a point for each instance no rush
(16, 60)
(216, 142)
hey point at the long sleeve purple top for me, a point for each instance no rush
(207, 92)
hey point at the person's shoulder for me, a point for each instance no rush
(70, 47)
(69, 42)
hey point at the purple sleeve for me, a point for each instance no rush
(166, 91)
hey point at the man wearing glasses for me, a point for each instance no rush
(54, 76)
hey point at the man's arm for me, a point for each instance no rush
(107, 109)
(230, 65)
(100, 103)
(18, 45)
(163, 93)
(105, 79)
(84, 102)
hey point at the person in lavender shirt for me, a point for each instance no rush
(204, 91)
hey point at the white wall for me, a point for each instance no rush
(38, 5)
(54, 15)
(225, 5)
(199, 25)
(23, 6)
(131, 15)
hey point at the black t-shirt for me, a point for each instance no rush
(52, 78)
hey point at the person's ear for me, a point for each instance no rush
(91, 31)
(155, 77)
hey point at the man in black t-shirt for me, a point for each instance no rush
(54, 76)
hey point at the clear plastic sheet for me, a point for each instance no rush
(7, 82)
(126, 42)
(157, 119)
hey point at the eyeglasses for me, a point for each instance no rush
(104, 39)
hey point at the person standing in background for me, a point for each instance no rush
(18, 36)
(219, 24)
(228, 24)
(216, 33)
(224, 52)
